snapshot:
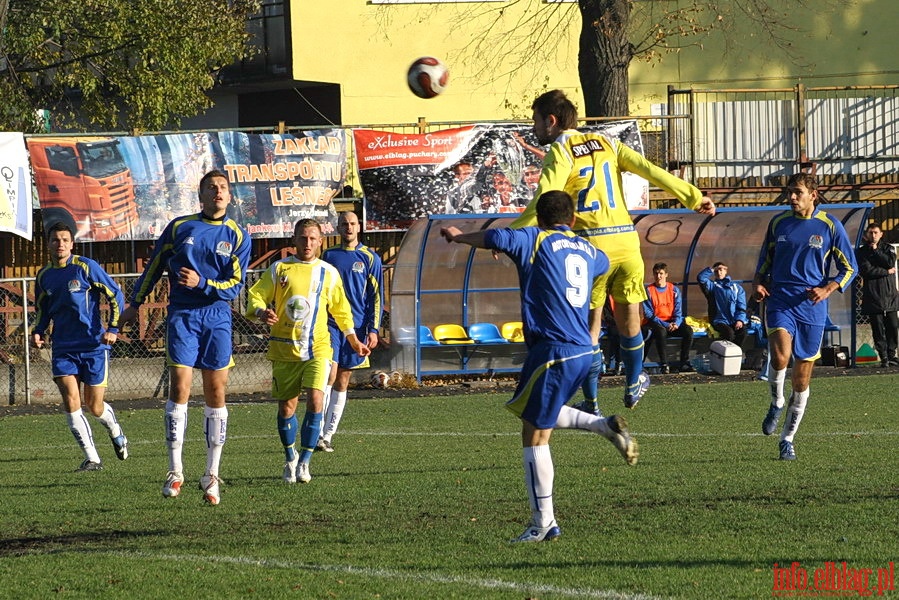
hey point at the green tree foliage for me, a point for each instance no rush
(115, 64)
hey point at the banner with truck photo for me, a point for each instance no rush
(483, 168)
(130, 187)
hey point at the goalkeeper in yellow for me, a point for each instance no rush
(302, 290)
(588, 166)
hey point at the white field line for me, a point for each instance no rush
(66, 442)
(411, 576)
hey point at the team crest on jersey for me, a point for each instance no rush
(358, 267)
(816, 241)
(298, 308)
(74, 286)
(223, 248)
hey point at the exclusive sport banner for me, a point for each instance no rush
(130, 187)
(483, 168)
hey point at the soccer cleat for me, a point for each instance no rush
(539, 534)
(769, 424)
(172, 485)
(303, 475)
(588, 406)
(89, 465)
(686, 367)
(290, 469)
(631, 398)
(787, 452)
(210, 486)
(664, 369)
(622, 439)
(324, 445)
(120, 444)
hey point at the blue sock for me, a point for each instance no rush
(309, 434)
(632, 357)
(590, 387)
(287, 431)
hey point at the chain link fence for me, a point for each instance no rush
(137, 368)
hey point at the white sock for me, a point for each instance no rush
(326, 400)
(109, 421)
(776, 383)
(175, 428)
(538, 479)
(571, 418)
(216, 429)
(794, 415)
(81, 429)
(335, 411)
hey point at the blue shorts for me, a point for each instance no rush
(807, 338)
(199, 337)
(552, 373)
(344, 354)
(91, 368)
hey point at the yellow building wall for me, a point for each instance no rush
(367, 49)
(853, 44)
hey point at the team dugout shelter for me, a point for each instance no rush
(456, 292)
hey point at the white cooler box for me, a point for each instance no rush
(726, 357)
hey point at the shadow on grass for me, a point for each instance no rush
(49, 543)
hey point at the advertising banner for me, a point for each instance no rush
(483, 168)
(129, 188)
(15, 186)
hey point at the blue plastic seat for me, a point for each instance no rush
(486, 333)
(425, 337)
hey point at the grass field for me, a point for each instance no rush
(421, 496)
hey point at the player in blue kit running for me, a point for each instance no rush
(206, 256)
(801, 248)
(68, 292)
(556, 269)
(360, 269)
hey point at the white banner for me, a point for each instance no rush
(15, 186)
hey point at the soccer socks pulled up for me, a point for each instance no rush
(81, 429)
(590, 387)
(287, 432)
(776, 381)
(175, 420)
(794, 415)
(334, 413)
(309, 434)
(571, 418)
(216, 430)
(108, 419)
(632, 357)
(539, 473)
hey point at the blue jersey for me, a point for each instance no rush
(360, 270)
(70, 296)
(798, 254)
(556, 270)
(218, 250)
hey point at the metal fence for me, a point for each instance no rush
(137, 368)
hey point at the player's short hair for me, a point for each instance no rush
(556, 103)
(806, 180)
(555, 208)
(304, 223)
(873, 225)
(660, 266)
(210, 175)
(60, 226)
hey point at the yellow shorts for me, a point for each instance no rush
(623, 281)
(291, 378)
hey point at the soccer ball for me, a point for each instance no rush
(427, 77)
(380, 379)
